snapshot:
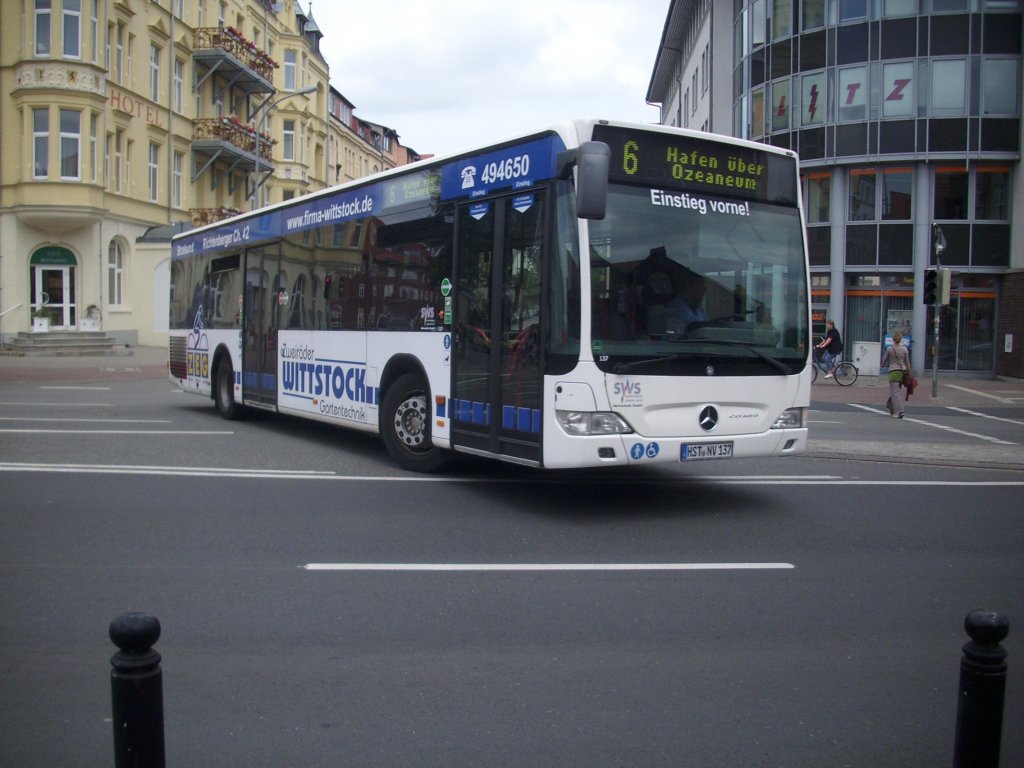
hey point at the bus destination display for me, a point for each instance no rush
(659, 159)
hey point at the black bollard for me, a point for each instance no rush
(136, 691)
(979, 716)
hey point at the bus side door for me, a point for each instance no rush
(497, 383)
(262, 310)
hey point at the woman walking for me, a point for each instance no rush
(897, 358)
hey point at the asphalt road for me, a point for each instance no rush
(789, 612)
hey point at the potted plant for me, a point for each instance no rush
(91, 321)
(40, 320)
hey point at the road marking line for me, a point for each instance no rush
(981, 394)
(91, 421)
(525, 567)
(986, 416)
(36, 404)
(105, 469)
(69, 432)
(995, 440)
(306, 475)
(99, 389)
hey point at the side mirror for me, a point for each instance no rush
(592, 161)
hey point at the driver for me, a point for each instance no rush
(688, 306)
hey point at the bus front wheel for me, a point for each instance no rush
(224, 391)
(405, 425)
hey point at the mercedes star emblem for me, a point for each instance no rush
(708, 418)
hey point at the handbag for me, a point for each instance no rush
(909, 382)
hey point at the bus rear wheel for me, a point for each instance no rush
(224, 391)
(405, 425)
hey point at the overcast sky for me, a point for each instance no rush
(450, 74)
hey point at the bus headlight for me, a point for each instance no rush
(592, 423)
(791, 418)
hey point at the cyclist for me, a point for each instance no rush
(831, 346)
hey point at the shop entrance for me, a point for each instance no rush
(53, 288)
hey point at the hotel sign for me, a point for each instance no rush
(136, 107)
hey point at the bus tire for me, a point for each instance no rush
(224, 391)
(405, 425)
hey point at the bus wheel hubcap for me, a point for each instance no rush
(410, 422)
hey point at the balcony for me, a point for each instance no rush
(224, 51)
(227, 140)
(201, 216)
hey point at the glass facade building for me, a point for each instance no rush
(906, 115)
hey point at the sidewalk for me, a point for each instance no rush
(138, 363)
(952, 390)
(893, 446)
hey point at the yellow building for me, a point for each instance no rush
(120, 118)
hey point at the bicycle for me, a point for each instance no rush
(843, 371)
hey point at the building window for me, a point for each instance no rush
(72, 29)
(129, 56)
(852, 10)
(862, 194)
(812, 14)
(94, 126)
(949, 87)
(128, 166)
(818, 197)
(94, 29)
(951, 193)
(897, 191)
(1000, 87)
(288, 143)
(118, 142)
(154, 73)
(853, 94)
(780, 105)
(289, 69)
(40, 143)
(115, 273)
(70, 144)
(179, 84)
(119, 54)
(757, 113)
(812, 99)
(43, 27)
(898, 89)
(992, 193)
(176, 178)
(782, 19)
(893, 8)
(154, 171)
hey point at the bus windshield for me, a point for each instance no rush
(686, 281)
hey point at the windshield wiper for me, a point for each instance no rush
(624, 367)
(775, 363)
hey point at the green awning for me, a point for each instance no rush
(53, 256)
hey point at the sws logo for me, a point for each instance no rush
(627, 388)
(628, 392)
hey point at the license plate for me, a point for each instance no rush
(706, 451)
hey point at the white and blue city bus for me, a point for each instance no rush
(521, 301)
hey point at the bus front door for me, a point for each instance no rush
(262, 315)
(496, 387)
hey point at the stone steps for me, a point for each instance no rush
(64, 344)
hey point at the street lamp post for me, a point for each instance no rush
(939, 244)
(262, 124)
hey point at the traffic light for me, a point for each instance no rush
(943, 292)
(931, 286)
